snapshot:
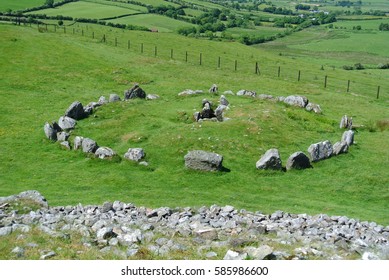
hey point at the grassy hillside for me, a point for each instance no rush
(44, 72)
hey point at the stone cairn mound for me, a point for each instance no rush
(60, 131)
(215, 232)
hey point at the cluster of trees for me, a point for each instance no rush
(169, 11)
(347, 3)
(278, 10)
(302, 7)
(384, 27)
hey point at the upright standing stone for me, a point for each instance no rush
(202, 160)
(75, 111)
(135, 92)
(77, 144)
(339, 148)
(348, 137)
(320, 151)
(213, 89)
(50, 131)
(270, 160)
(224, 101)
(219, 112)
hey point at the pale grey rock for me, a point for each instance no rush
(261, 253)
(48, 255)
(63, 136)
(18, 252)
(348, 137)
(296, 100)
(313, 107)
(89, 146)
(232, 255)
(50, 132)
(298, 160)
(207, 233)
(244, 92)
(5, 231)
(228, 92)
(320, 151)
(135, 154)
(65, 145)
(105, 152)
(202, 160)
(66, 123)
(190, 92)
(270, 160)
(213, 89)
(105, 233)
(265, 97)
(75, 111)
(113, 97)
(340, 148)
(211, 255)
(152, 97)
(102, 101)
(219, 112)
(77, 143)
(223, 100)
(346, 122)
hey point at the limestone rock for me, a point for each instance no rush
(340, 147)
(102, 101)
(89, 146)
(152, 97)
(313, 107)
(50, 131)
(62, 136)
(219, 112)
(75, 111)
(348, 137)
(232, 255)
(202, 160)
(261, 253)
(298, 160)
(113, 97)
(223, 100)
(270, 160)
(135, 154)
(67, 123)
(105, 152)
(296, 100)
(135, 92)
(320, 150)
(190, 92)
(66, 145)
(244, 92)
(77, 143)
(346, 122)
(213, 89)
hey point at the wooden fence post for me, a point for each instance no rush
(116, 42)
(298, 78)
(325, 81)
(218, 62)
(155, 51)
(378, 92)
(186, 56)
(236, 65)
(201, 58)
(141, 47)
(348, 85)
(279, 71)
(128, 44)
(171, 53)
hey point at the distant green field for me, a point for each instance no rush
(258, 31)
(87, 10)
(365, 24)
(152, 21)
(20, 4)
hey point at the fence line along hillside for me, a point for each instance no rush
(251, 62)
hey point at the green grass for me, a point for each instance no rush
(20, 4)
(39, 83)
(86, 10)
(153, 21)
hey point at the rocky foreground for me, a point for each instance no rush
(125, 229)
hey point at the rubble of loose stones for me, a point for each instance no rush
(213, 232)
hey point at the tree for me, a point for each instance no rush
(49, 3)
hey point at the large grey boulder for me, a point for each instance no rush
(63, 136)
(67, 123)
(105, 152)
(223, 100)
(320, 150)
(202, 160)
(75, 111)
(270, 160)
(50, 131)
(244, 92)
(89, 145)
(348, 137)
(346, 122)
(340, 147)
(219, 112)
(135, 92)
(296, 100)
(135, 154)
(298, 160)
